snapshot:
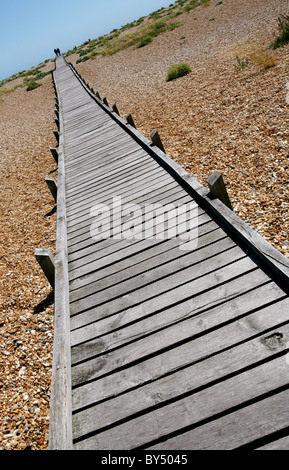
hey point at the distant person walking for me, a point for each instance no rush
(57, 52)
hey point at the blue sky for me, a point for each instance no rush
(30, 30)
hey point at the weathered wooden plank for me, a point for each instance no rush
(205, 404)
(97, 141)
(60, 426)
(141, 195)
(104, 176)
(165, 287)
(218, 188)
(154, 282)
(238, 428)
(93, 258)
(118, 261)
(114, 176)
(46, 261)
(106, 141)
(160, 333)
(129, 163)
(98, 152)
(130, 120)
(89, 119)
(99, 188)
(82, 245)
(132, 191)
(54, 152)
(156, 140)
(104, 154)
(86, 121)
(179, 356)
(83, 228)
(100, 133)
(278, 444)
(89, 122)
(90, 111)
(153, 262)
(128, 190)
(82, 117)
(121, 338)
(52, 187)
(173, 387)
(165, 195)
(99, 170)
(117, 202)
(142, 348)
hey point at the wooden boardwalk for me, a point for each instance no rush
(158, 345)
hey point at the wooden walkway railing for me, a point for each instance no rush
(158, 344)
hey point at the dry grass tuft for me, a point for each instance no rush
(257, 53)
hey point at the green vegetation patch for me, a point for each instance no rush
(178, 70)
(283, 37)
(144, 41)
(83, 59)
(144, 35)
(32, 85)
(4, 91)
(31, 77)
(149, 27)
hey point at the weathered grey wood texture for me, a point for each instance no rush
(170, 348)
(46, 261)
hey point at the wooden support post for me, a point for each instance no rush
(56, 113)
(97, 95)
(156, 140)
(46, 262)
(54, 152)
(56, 135)
(114, 108)
(105, 101)
(218, 188)
(57, 122)
(130, 120)
(52, 186)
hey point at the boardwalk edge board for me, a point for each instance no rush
(60, 428)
